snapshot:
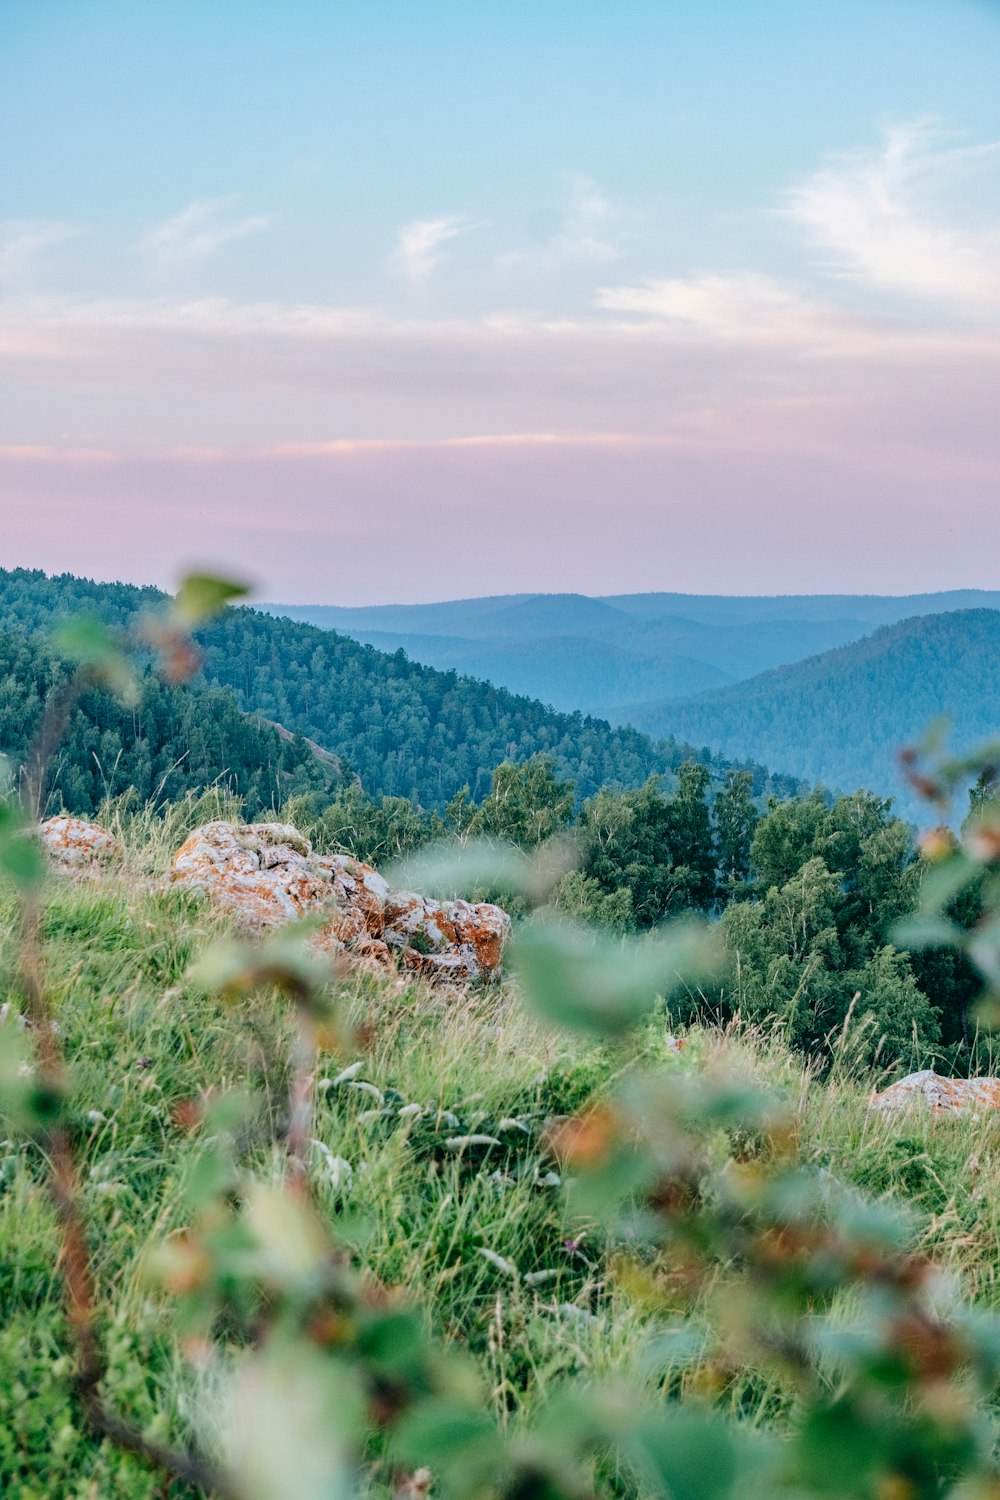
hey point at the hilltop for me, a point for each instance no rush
(840, 717)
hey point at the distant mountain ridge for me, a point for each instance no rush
(605, 655)
(840, 717)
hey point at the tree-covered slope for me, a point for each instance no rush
(568, 672)
(173, 740)
(404, 728)
(841, 717)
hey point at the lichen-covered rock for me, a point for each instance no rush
(941, 1095)
(75, 846)
(268, 874)
(262, 871)
(361, 893)
(447, 929)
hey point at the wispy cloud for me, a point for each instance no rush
(583, 232)
(22, 242)
(876, 216)
(197, 232)
(586, 233)
(741, 307)
(420, 242)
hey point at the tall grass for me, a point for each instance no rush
(475, 1233)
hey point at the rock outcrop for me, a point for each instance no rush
(268, 874)
(75, 846)
(941, 1095)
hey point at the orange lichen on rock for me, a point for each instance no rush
(262, 872)
(268, 874)
(75, 846)
(941, 1095)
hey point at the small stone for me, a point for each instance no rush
(75, 847)
(939, 1094)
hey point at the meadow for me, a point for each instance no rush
(432, 1154)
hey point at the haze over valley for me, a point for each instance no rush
(825, 687)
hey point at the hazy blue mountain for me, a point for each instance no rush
(603, 656)
(876, 609)
(840, 717)
(564, 671)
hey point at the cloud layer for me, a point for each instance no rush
(827, 425)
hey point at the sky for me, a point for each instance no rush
(410, 299)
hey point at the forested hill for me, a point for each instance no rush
(840, 717)
(405, 729)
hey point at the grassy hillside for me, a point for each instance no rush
(605, 655)
(478, 1239)
(841, 717)
(405, 729)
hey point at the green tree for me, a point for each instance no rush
(736, 817)
(526, 804)
(691, 842)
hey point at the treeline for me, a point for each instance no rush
(806, 892)
(173, 740)
(406, 730)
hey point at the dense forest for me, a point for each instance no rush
(404, 729)
(173, 740)
(840, 718)
(805, 888)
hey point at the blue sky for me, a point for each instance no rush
(308, 287)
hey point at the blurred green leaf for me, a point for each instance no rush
(456, 1442)
(292, 1425)
(202, 595)
(21, 858)
(447, 869)
(576, 978)
(944, 881)
(284, 960)
(838, 1451)
(290, 1237)
(916, 933)
(685, 1455)
(87, 642)
(209, 1175)
(394, 1342)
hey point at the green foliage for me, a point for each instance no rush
(811, 949)
(736, 819)
(525, 805)
(376, 830)
(659, 848)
